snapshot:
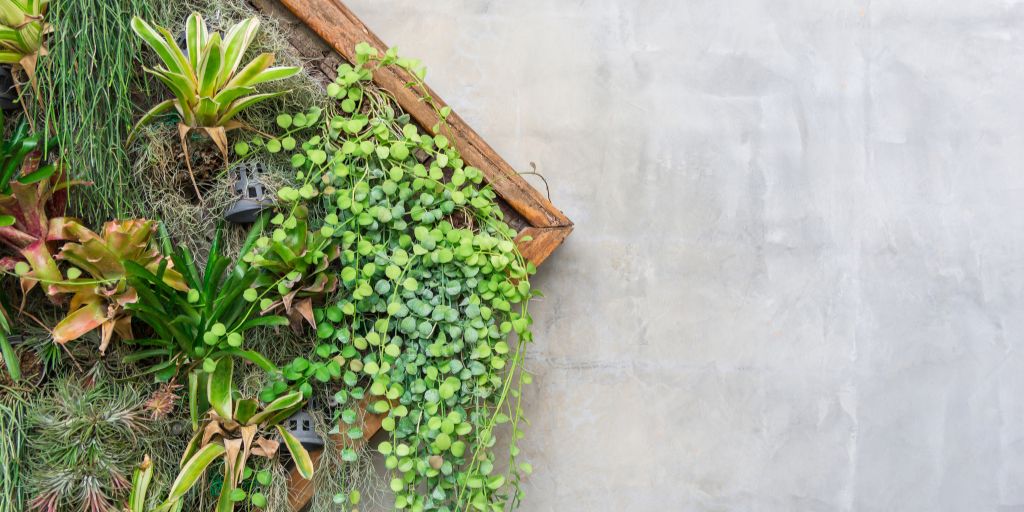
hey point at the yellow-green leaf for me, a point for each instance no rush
(303, 462)
(193, 469)
(219, 390)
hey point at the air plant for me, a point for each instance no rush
(293, 264)
(83, 438)
(233, 430)
(101, 299)
(22, 29)
(209, 88)
(162, 401)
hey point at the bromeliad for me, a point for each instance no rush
(100, 300)
(22, 29)
(33, 198)
(233, 430)
(209, 88)
(209, 321)
(293, 265)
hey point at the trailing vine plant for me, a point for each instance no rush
(432, 289)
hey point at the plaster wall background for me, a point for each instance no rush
(796, 281)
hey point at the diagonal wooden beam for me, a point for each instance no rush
(300, 490)
(541, 242)
(342, 30)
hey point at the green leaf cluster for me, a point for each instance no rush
(292, 264)
(209, 86)
(207, 321)
(23, 27)
(233, 430)
(432, 292)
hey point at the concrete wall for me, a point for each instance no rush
(796, 280)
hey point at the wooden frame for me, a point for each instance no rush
(544, 226)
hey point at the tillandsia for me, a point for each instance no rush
(206, 319)
(209, 88)
(232, 431)
(97, 279)
(293, 265)
(23, 28)
(432, 290)
(84, 431)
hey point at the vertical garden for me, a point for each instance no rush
(224, 276)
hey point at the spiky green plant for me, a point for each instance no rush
(85, 437)
(293, 266)
(206, 319)
(208, 86)
(20, 159)
(234, 430)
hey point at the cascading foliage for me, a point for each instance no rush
(431, 280)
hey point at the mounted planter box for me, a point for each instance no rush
(326, 31)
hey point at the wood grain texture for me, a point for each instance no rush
(300, 490)
(544, 242)
(342, 30)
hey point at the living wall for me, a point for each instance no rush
(216, 264)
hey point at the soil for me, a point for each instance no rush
(207, 163)
(31, 369)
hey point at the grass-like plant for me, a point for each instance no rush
(90, 100)
(209, 84)
(22, 29)
(10, 357)
(12, 449)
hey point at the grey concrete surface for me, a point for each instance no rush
(796, 280)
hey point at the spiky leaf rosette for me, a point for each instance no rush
(209, 86)
(208, 321)
(100, 299)
(293, 266)
(233, 430)
(22, 29)
(85, 435)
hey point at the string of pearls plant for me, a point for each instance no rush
(429, 325)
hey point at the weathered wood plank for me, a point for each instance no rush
(300, 490)
(342, 30)
(544, 242)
